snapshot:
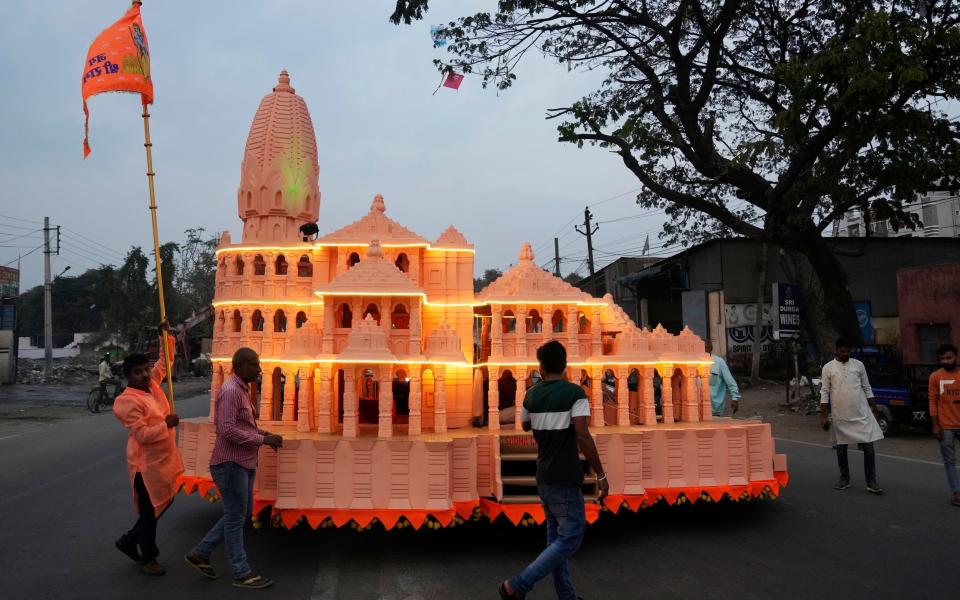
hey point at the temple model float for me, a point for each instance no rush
(397, 389)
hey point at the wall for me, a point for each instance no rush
(927, 296)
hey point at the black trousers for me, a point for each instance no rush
(869, 462)
(144, 531)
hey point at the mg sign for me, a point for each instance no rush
(786, 304)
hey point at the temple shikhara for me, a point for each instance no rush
(397, 389)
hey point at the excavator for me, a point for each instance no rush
(189, 351)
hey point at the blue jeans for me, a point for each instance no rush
(236, 488)
(566, 522)
(949, 453)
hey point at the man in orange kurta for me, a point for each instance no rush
(153, 461)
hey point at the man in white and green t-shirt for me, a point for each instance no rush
(558, 412)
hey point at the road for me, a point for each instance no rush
(64, 500)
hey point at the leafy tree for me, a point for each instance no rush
(489, 276)
(573, 278)
(768, 119)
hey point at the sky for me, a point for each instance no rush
(488, 163)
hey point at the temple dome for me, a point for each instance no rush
(279, 174)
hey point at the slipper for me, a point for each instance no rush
(253, 582)
(202, 565)
(507, 595)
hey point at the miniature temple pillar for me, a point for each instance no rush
(440, 401)
(493, 397)
(324, 397)
(386, 319)
(520, 395)
(266, 393)
(666, 392)
(573, 331)
(691, 407)
(415, 418)
(706, 407)
(596, 344)
(289, 395)
(546, 327)
(385, 404)
(521, 332)
(349, 403)
(416, 307)
(647, 397)
(496, 333)
(219, 376)
(328, 325)
(596, 397)
(623, 397)
(485, 337)
(306, 399)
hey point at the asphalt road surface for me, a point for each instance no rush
(64, 499)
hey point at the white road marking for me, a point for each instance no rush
(894, 456)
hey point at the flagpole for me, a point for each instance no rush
(156, 253)
(165, 328)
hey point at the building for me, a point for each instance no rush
(929, 303)
(712, 288)
(366, 339)
(939, 213)
(606, 280)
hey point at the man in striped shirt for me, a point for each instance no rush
(233, 465)
(558, 412)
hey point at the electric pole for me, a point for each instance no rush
(556, 256)
(47, 304)
(588, 231)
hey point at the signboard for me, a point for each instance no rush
(865, 320)
(786, 306)
(9, 282)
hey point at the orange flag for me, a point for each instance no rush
(117, 61)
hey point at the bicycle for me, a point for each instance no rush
(99, 396)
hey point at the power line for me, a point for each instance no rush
(23, 256)
(22, 236)
(20, 227)
(83, 237)
(22, 220)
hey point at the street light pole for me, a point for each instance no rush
(47, 304)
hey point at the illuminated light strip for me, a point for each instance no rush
(464, 364)
(423, 297)
(351, 361)
(295, 248)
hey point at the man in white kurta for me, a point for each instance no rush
(846, 402)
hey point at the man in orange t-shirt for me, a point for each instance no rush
(944, 394)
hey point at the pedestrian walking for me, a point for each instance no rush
(847, 403)
(721, 380)
(944, 396)
(233, 465)
(558, 412)
(153, 462)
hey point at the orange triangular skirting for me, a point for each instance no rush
(515, 513)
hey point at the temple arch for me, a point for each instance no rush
(372, 310)
(534, 322)
(557, 322)
(344, 316)
(304, 267)
(279, 321)
(256, 321)
(237, 321)
(400, 318)
(259, 265)
(301, 319)
(402, 262)
(509, 322)
(281, 265)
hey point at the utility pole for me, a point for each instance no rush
(588, 231)
(47, 304)
(556, 256)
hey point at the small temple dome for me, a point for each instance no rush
(279, 175)
(526, 252)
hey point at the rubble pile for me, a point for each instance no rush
(65, 371)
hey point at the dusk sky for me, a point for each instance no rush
(487, 163)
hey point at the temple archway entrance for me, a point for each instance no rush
(401, 397)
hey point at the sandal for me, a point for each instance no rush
(507, 595)
(253, 582)
(202, 565)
